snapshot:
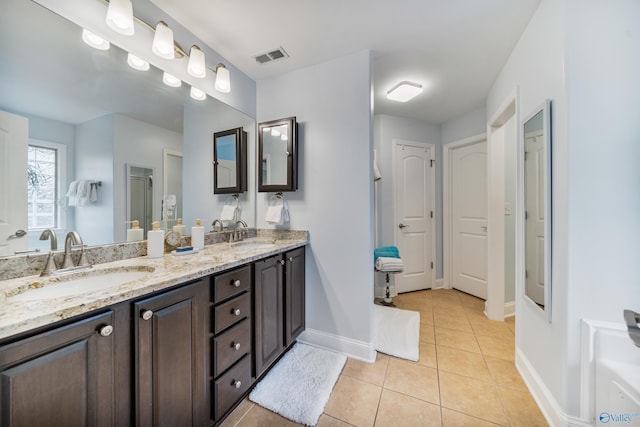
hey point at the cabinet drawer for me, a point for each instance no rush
(231, 312)
(231, 386)
(232, 283)
(231, 346)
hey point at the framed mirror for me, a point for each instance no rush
(230, 161)
(278, 155)
(536, 140)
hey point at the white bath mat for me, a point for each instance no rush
(299, 385)
(396, 332)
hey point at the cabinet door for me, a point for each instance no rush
(63, 377)
(171, 371)
(294, 294)
(269, 332)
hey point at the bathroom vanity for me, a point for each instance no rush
(182, 345)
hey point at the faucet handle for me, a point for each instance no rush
(50, 266)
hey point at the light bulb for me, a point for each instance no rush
(275, 132)
(163, 41)
(94, 40)
(171, 80)
(137, 63)
(223, 79)
(120, 17)
(198, 94)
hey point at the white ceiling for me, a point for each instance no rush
(455, 48)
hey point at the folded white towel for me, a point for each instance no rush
(228, 213)
(84, 192)
(277, 215)
(389, 264)
(72, 194)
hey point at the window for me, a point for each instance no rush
(45, 174)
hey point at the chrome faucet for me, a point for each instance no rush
(74, 237)
(213, 225)
(238, 235)
(50, 265)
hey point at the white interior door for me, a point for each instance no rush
(14, 142)
(468, 201)
(534, 217)
(414, 200)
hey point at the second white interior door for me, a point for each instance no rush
(414, 200)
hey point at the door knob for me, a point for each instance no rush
(17, 234)
(402, 226)
(484, 228)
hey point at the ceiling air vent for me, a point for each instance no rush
(271, 56)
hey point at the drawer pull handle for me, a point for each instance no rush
(235, 345)
(106, 330)
(237, 383)
(236, 283)
(146, 314)
(235, 311)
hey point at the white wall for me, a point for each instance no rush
(335, 197)
(201, 121)
(140, 144)
(583, 56)
(469, 124)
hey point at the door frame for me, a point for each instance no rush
(495, 305)
(446, 201)
(432, 147)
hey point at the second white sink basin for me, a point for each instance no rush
(80, 283)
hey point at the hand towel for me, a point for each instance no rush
(72, 194)
(386, 251)
(388, 264)
(228, 213)
(277, 215)
(84, 192)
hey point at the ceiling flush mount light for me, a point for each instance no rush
(94, 40)
(171, 80)
(197, 94)
(163, 41)
(120, 16)
(404, 91)
(137, 63)
(223, 79)
(196, 67)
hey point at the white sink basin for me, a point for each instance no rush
(252, 244)
(80, 283)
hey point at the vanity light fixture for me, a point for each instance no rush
(120, 17)
(94, 40)
(197, 94)
(275, 132)
(223, 79)
(404, 91)
(163, 41)
(137, 63)
(171, 80)
(196, 66)
(284, 137)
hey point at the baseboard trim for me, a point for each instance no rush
(509, 309)
(352, 348)
(543, 396)
(440, 284)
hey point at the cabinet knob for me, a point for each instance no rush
(282, 261)
(235, 311)
(237, 383)
(146, 314)
(235, 345)
(290, 259)
(236, 283)
(106, 330)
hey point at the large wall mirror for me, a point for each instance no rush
(278, 155)
(104, 115)
(230, 161)
(536, 136)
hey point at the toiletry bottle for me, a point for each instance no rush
(197, 235)
(155, 241)
(135, 233)
(180, 228)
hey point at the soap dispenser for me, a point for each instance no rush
(135, 233)
(180, 228)
(197, 236)
(155, 241)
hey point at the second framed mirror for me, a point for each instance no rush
(278, 155)
(230, 161)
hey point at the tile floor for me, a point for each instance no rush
(465, 376)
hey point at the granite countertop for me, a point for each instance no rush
(19, 316)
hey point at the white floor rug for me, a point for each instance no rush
(299, 385)
(396, 332)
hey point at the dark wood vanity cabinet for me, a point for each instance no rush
(170, 372)
(279, 292)
(62, 377)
